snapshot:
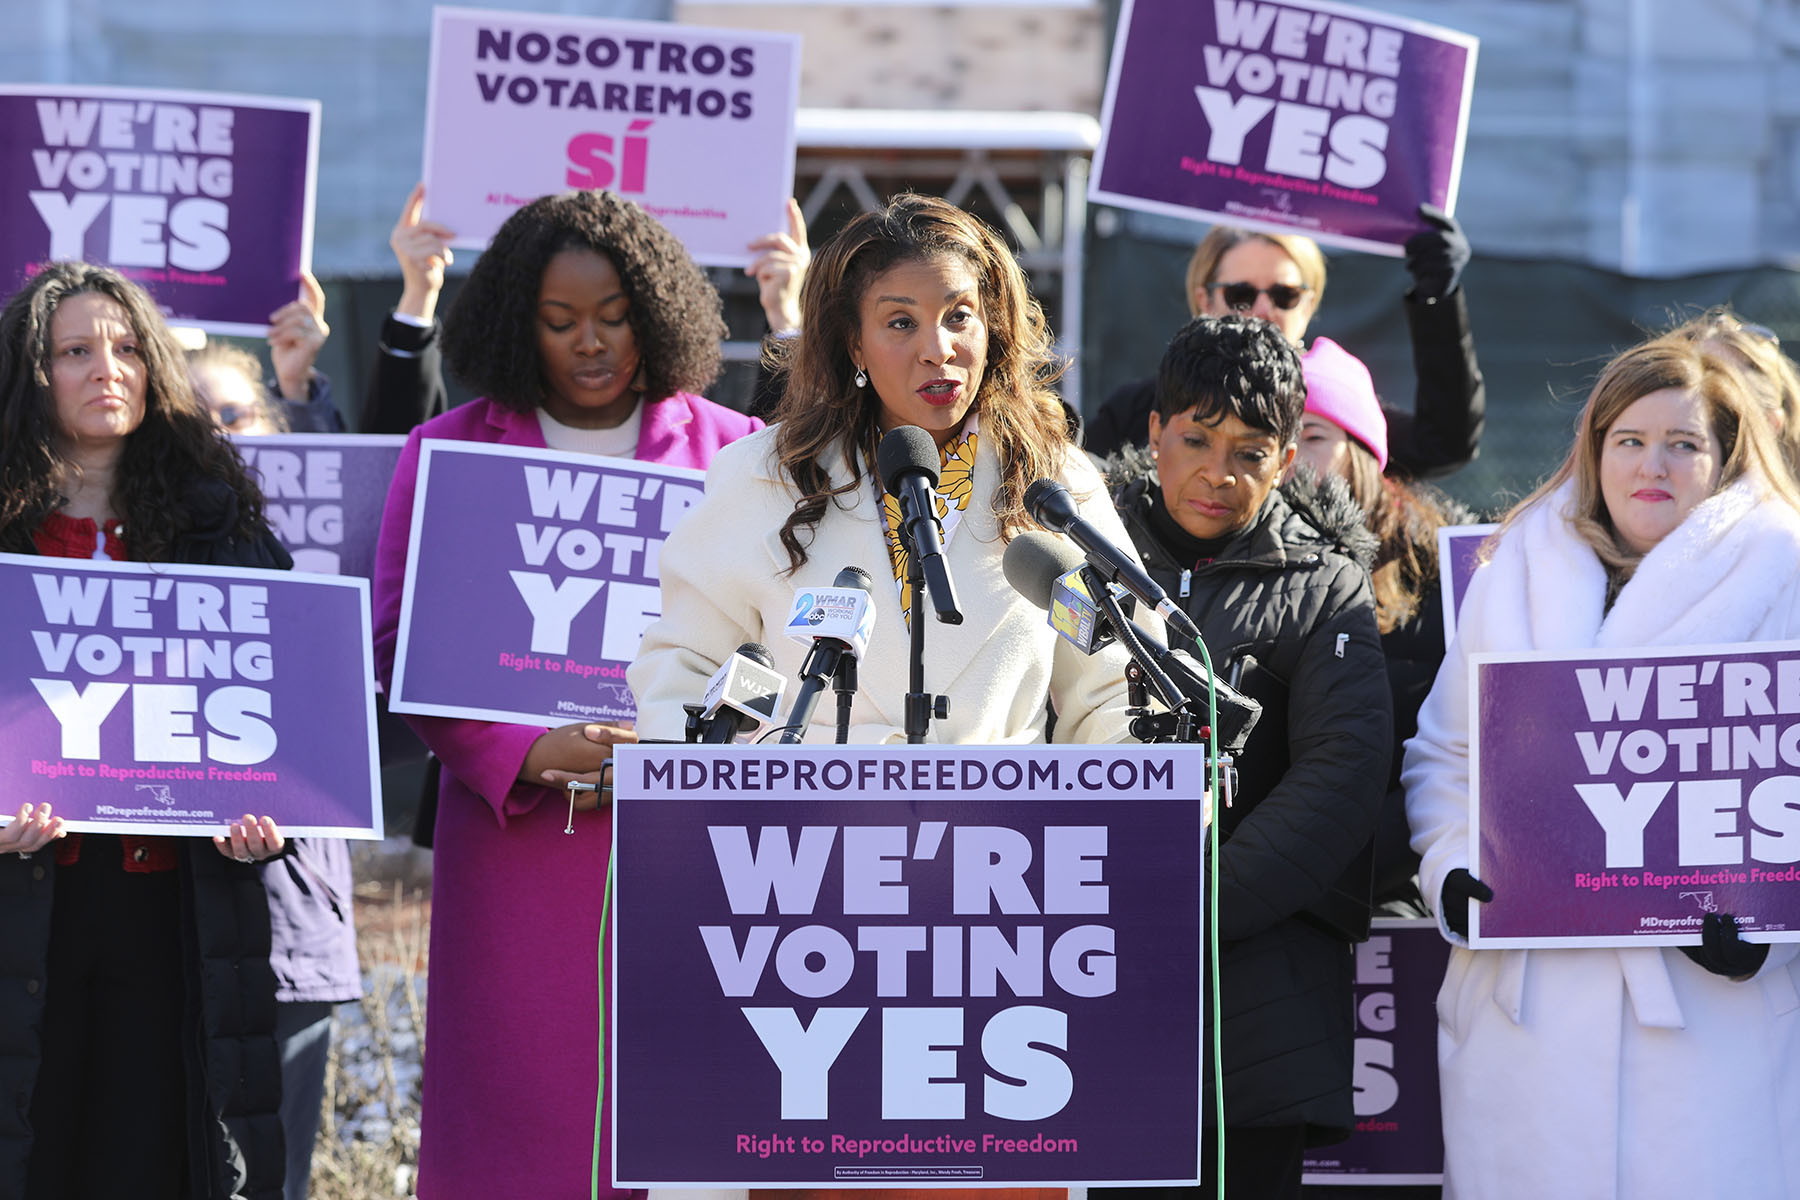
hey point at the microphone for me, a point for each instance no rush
(743, 694)
(1036, 564)
(1050, 502)
(908, 461)
(837, 622)
(1047, 571)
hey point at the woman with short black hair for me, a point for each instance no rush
(1276, 579)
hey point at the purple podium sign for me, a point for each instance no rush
(145, 698)
(906, 966)
(204, 198)
(324, 494)
(696, 125)
(1616, 798)
(530, 580)
(1459, 551)
(1399, 1138)
(1295, 117)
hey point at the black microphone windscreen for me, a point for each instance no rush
(1033, 562)
(758, 653)
(904, 451)
(854, 577)
(1050, 502)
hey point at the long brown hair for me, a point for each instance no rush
(1746, 439)
(824, 414)
(174, 445)
(1405, 519)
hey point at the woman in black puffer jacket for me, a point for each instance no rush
(137, 1003)
(1277, 582)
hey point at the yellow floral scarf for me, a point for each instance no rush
(956, 480)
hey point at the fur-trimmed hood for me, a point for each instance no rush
(1318, 512)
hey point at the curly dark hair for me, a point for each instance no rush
(1235, 365)
(823, 413)
(490, 333)
(174, 446)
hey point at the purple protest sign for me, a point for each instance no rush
(1399, 1138)
(1618, 797)
(906, 965)
(1296, 117)
(1459, 553)
(149, 698)
(324, 495)
(530, 579)
(696, 125)
(204, 198)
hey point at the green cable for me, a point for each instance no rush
(1212, 939)
(600, 1100)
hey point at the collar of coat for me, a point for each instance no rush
(1301, 519)
(1714, 578)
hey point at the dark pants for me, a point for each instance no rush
(303, 1034)
(1260, 1164)
(109, 1112)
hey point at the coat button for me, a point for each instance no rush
(37, 873)
(31, 987)
(140, 854)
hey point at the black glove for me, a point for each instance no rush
(1459, 888)
(1436, 257)
(1720, 950)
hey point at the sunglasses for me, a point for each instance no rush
(1241, 297)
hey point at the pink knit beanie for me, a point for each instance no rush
(1340, 389)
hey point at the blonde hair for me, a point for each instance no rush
(1746, 439)
(224, 356)
(1756, 352)
(1220, 239)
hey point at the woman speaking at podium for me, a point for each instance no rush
(915, 315)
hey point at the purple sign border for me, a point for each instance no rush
(376, 828)
(309, 210)
(705, 256)
(1315, 1175)
(1100, 195)
(630, 770)
(427, 448)
(1690, 937)
(1456, 569)
(322, 441)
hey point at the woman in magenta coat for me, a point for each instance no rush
(587, 327)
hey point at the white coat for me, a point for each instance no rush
(1629, 1073)
(723, 584)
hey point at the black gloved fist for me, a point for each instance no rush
(1721, 951)
(1436, 257)
(1460, 887)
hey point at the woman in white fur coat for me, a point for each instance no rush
(916, 315)
(1626, 1073)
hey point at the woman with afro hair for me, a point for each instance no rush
(584, 326)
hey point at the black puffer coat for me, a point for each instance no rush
(235, 1145)
(1286, 609)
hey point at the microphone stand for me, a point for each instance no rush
(1186, 720)
(921, 705)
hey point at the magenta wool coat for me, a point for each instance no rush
(512, 1025)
